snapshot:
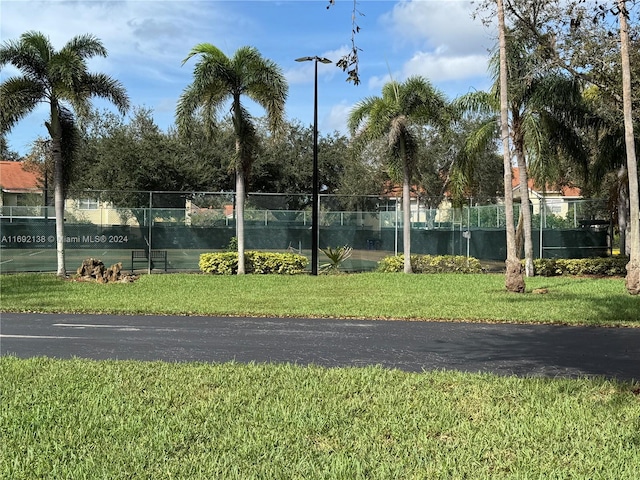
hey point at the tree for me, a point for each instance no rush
(125, 160)
(39, 161)
(282, 165)
(633, 267)
(576, 36)
(606, 173)
(219, 79)
(364, 173)
(545, 110)
(514, 278)
(6, 154)
(395, 117)
(61, 80)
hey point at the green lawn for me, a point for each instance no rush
(79, 419)
(369, 295)
(82, 419)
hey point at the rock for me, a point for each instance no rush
(113, 272)
(94, 270)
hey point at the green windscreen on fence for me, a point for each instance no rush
(178, 227)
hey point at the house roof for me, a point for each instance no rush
(564, 190)
(394, 190)
(15, 179)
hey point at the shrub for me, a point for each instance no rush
(391, 264)
(336, 257)
(607, 266)
(233, 244)
(226, 263)
(431, 264)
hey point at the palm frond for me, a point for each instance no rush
(18, 97)
(30, 54)
(265, 84)
(208, 51)
(104, 86)
(478, 103)
(85, 46)
(360, 112)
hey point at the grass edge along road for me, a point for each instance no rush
(452, 297)
(113, 419)
(109, 419)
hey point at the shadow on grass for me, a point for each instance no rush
(596, 307)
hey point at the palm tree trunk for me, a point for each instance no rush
(623, 208)
(55, 131)
(406, 211)
(519, 233)
(514, 280)
(58, 195)
(240, 195)
(525, 210)
(633, 267)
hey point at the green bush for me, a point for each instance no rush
(336, 256)
(607, 266)
(431, 264)
(391, 264)
(226, 263)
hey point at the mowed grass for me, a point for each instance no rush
(86, 419)
(586, 301)
(81, 419)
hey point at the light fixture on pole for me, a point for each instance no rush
(315, 201)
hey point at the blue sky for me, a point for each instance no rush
(147, 41)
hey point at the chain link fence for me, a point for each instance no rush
(167, 231)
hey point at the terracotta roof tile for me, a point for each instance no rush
(13, 177)
(565, 191)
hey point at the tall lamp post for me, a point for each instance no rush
(315, 201)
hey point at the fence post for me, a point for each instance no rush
(543, 212)
(150, 222)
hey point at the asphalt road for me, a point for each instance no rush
(523, 350)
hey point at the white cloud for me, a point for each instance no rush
(447, 44)
(436, 68)
(377, 81)
(445, 25)
(441, 68)
(336, 120)
(133, 33)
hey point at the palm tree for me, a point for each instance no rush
(61, 80)
(633, 267)
(514, 280)
(394, 118)
(219, 80)
(545, 111)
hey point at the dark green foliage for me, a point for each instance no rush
(129, 158)
(256, 262)
(609, 266)
(5, 151)
(431, 264)
(233, 245)
(283, 164)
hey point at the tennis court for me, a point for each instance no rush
(178, 260)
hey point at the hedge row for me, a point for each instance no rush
(606, 266)
(431, 264)
(226, 263)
